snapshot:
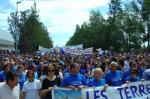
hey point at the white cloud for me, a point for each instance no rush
(61, 16)
(4, 17)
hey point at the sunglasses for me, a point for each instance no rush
(133, 73)
(51, 70)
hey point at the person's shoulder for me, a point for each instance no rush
(1, 72)
(80, 74)
(2, 84)
(103, 79)
(138, 78)
(26, 82)
(37, 81)
(67, 76)
(127, 78)
(109, 72)
(147, 70)
(119, 71)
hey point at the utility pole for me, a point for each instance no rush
(16, 28)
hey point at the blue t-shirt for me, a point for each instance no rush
(127, 73)
(74, 80)
(129, 78)
(66, 72)
(146, 74)
(95, 83)
(83, 71)
(114, 78)
(2, 76)
(22, 79)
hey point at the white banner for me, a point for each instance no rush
(74, 51)
(136, 90)
(88, 51)
(44, 49)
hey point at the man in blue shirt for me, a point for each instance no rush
(6, 68)
(114, 76)
(133, 76)
(74, 80)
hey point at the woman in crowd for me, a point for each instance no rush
(49, 83)
(31, 87)
(97, 78)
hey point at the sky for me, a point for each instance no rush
(60, 17)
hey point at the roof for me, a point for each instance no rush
(5, 35)
(6, 42)
(6, 38)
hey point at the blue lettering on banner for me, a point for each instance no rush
(148, 88)
(134, 91)
(141, 90)
(87, 95)
(120, 93)
(127, 93)
(103, 95)
(97, 94)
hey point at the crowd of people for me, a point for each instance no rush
(34, 76)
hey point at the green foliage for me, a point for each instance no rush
(28, 31)
(146, 18)
(123, 29)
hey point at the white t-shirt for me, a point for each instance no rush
(7, 93)
(32, 89)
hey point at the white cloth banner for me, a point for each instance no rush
(88, 51)
(44, 49)
(136, 90)
(74, 51)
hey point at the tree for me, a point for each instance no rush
(114, 24)
(29, 31)
(132, 26)
(122, 30)
(146, 18)
(13, 27)
(89, 34)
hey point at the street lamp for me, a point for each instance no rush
(16, 28)
(17, 5)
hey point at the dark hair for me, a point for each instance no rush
(133, 71)
(30, 67)
(73, 65)
(132, 63)
(10, 76)
(27, 75)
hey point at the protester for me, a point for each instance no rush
(10, 89)
(114, 76)
(133, 77)
(77, 71)
(31, 88)
(97, 78)
(133, 66)
(49, 83)
(74, 80)
(5, 69)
